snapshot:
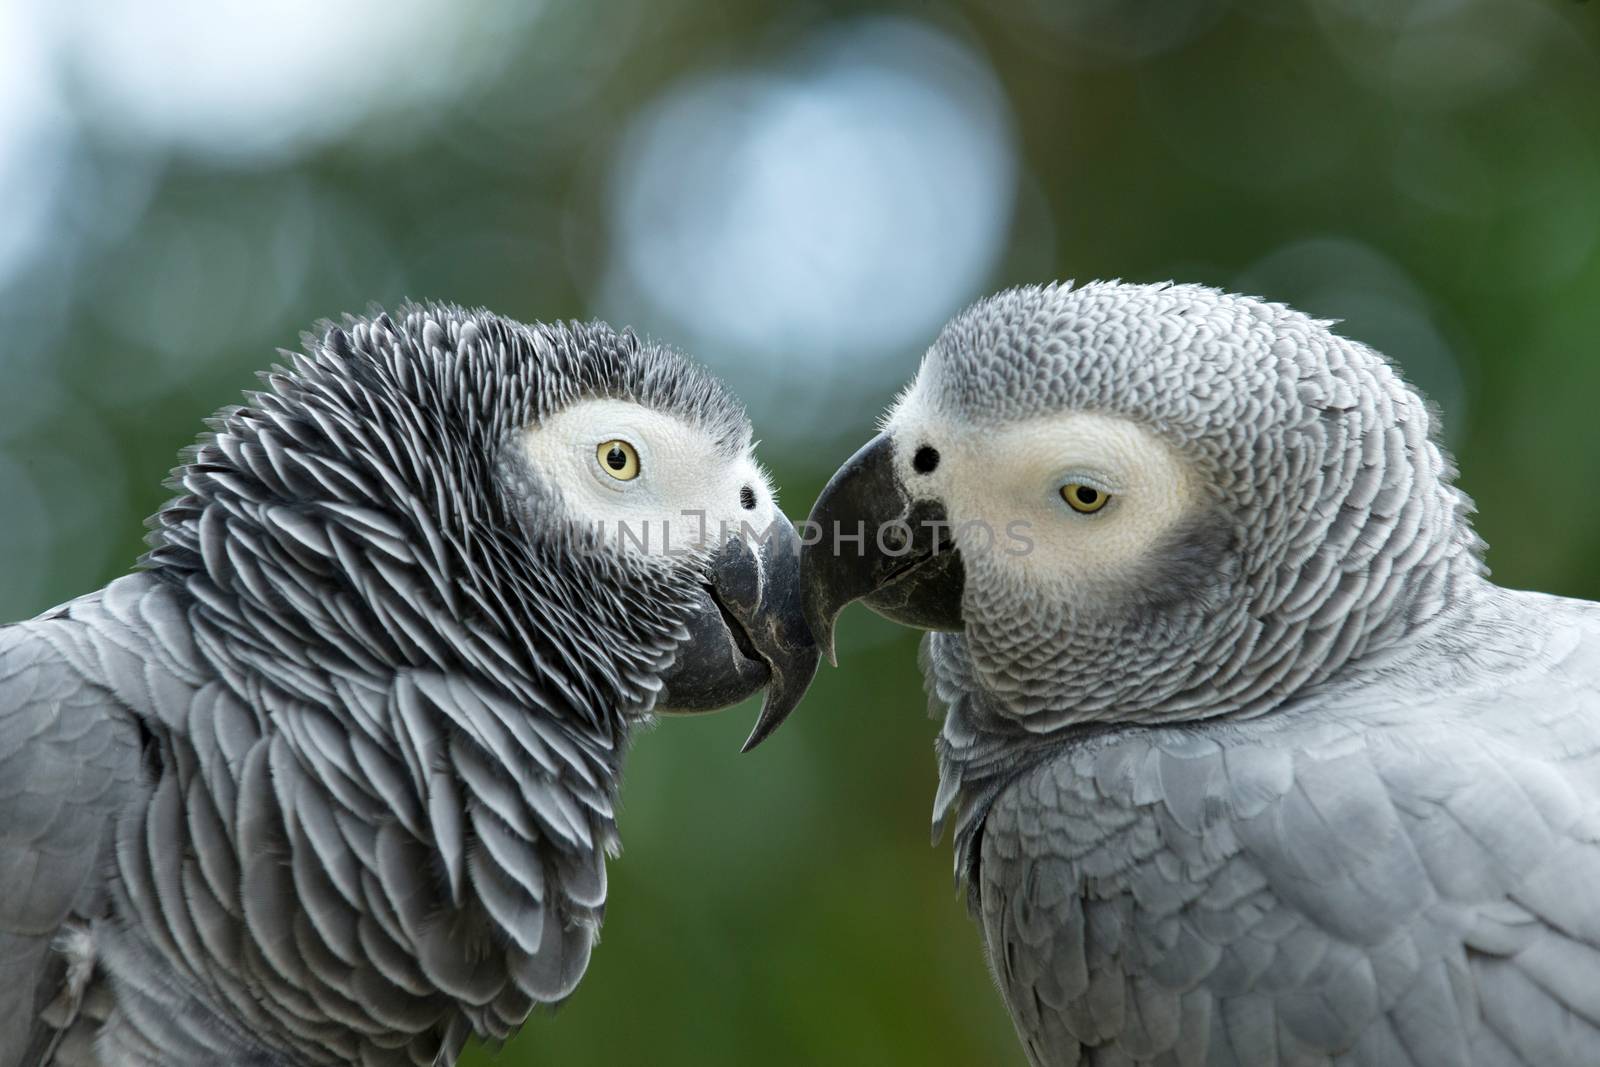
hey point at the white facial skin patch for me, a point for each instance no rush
(1002, 489)
(668, 489)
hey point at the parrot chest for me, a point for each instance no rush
(1286, 895)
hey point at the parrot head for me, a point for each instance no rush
(672, 493)
(1141, 501)
(575, 513)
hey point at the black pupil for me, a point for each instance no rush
(747, 497)
(926, 460)
(616, 459)
(1087, 496)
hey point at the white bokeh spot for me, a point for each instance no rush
(837, 206)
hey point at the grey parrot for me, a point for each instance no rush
(330, 779)
(1246, 759)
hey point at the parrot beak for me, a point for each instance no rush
(874, 542)
(748, 631)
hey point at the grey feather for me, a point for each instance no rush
(1332, 798)
(331, 781)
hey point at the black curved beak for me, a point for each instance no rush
(869, 539)
(747, 631)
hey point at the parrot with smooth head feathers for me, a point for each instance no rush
(1246, 759)
(331, 778)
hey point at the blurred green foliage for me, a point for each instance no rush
(1429, 172)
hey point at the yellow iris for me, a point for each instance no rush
(618, 459)
(1084, 499)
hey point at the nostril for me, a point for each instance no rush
(747, 498)
(926, 461)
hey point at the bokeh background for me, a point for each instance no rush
(799, 194)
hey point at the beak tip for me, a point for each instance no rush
(820, 622)
(768, 721)
(791, 679)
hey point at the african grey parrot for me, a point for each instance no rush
(330, 780)
(1248, 761)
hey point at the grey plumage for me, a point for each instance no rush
(1299, 785)
(332, 779)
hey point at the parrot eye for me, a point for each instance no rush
(618, 459)
(1084, 499)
